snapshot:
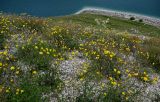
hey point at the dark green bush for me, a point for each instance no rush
(132, 18)
(140, 20)
(1, 42)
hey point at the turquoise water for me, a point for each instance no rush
(45, 8)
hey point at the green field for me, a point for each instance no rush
(78, 58)
(115, 23)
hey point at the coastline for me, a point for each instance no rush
(125, 15)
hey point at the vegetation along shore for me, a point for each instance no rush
(90, 56)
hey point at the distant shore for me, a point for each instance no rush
(126, 15)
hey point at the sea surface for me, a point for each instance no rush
(47, 8)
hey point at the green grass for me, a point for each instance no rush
(115, 23)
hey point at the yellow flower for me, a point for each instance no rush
(16, 46)
(23, 47)
(44, 50)
(115, 70)
(5, 52)
(127, 98)
(7, 91)
(98, 73)
(129, 75)
(102, 85)
(61, 59)
(7, 58)
(135, 74)
(155, 78)
(127, 49)
(134, 46)
(84, 71)
(34, 72)
(118, 72)
(41, 53)
(81, 79)
(127, 70)
(145, 78)
(17, 90)
(97, 57)
(17, 72)
(11, 80)
(81, 44)
(53, 50)
(48, 53)
(1, 64)
(12, 68)
(22, 91)
(123, 93)
(106, 52)
(111, 55)
(144, 73)
(36, 47)
(17, 93)
(73, 53)
(110, 78)
(113, 83)
(54, 55)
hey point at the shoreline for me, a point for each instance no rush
(125, 15)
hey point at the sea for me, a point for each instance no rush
(49, 8)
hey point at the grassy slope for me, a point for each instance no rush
(115, 23)
(37, 43)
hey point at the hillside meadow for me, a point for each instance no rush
(78, 58)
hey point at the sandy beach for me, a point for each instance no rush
(125, 15)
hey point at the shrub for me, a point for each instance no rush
(140, 20)
(132, 18)
(1, 42)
